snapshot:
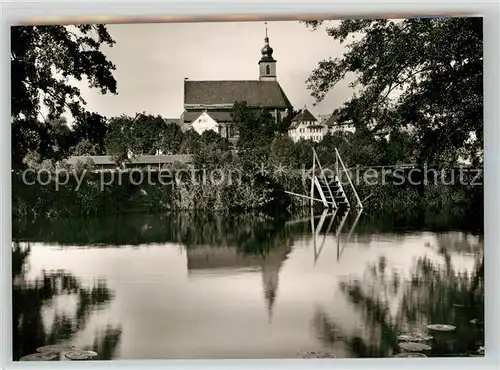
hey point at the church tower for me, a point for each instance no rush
(267, 64)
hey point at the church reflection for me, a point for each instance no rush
(229, 260)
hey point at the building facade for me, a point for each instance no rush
(305, 126)
(208, 104)
(334, 126)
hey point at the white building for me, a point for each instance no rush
(305, 126)
(333, 125)
(204, 122)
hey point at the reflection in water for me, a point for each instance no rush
(247, 286)
(32, 298)
(434, 294)
(207, 260)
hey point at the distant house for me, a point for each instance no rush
(158, 161)
(98, 162)
(305, 126)
(333, 125)
(208, 104)
(152, 162)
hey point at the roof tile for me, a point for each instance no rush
(266, 94)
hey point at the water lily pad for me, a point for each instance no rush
(441, 327)
(80, 354)
(414, 347)
(43, 356)
(414, 337)
(56, 348)
(410, 354)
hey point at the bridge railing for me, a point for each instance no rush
(323, 178)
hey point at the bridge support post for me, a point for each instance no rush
(313, 177)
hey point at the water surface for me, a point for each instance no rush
(178, 286)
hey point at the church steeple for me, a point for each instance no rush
(267, 64)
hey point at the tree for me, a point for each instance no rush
(285, 122)
(117, 140)
(424, 75)
(256, 129)
(85, 147)
(55, 138)
(91, 127)
(146, 132)
(283, 152)
(171, 138)
(191, 143)
(142, 135)
(212, 138)
(43, 59)
(304, 153)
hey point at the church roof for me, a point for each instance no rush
(305, 115)
(262, 94)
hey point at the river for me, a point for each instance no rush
(184, 287)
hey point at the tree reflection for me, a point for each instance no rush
(433, 294)
(251, 233)
(31, 299)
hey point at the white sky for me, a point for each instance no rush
(153, 59)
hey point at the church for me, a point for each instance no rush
(208, 104)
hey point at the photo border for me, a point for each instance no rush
(23, 12)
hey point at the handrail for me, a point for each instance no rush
(343, 191)
(323, 173)
(349, 178)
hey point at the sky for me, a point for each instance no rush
(152, 61)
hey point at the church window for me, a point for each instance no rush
(268, 70)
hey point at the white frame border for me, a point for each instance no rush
(20, 12)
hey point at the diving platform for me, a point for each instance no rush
(326, 186)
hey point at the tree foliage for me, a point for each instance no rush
(43, 58)
(171, 138)
(86, 147)
(191, 142)
(44, 61)
(256, 128)
(285, 122)
(117, 140)
(425, 75)
(91, 127)
(55, 138)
